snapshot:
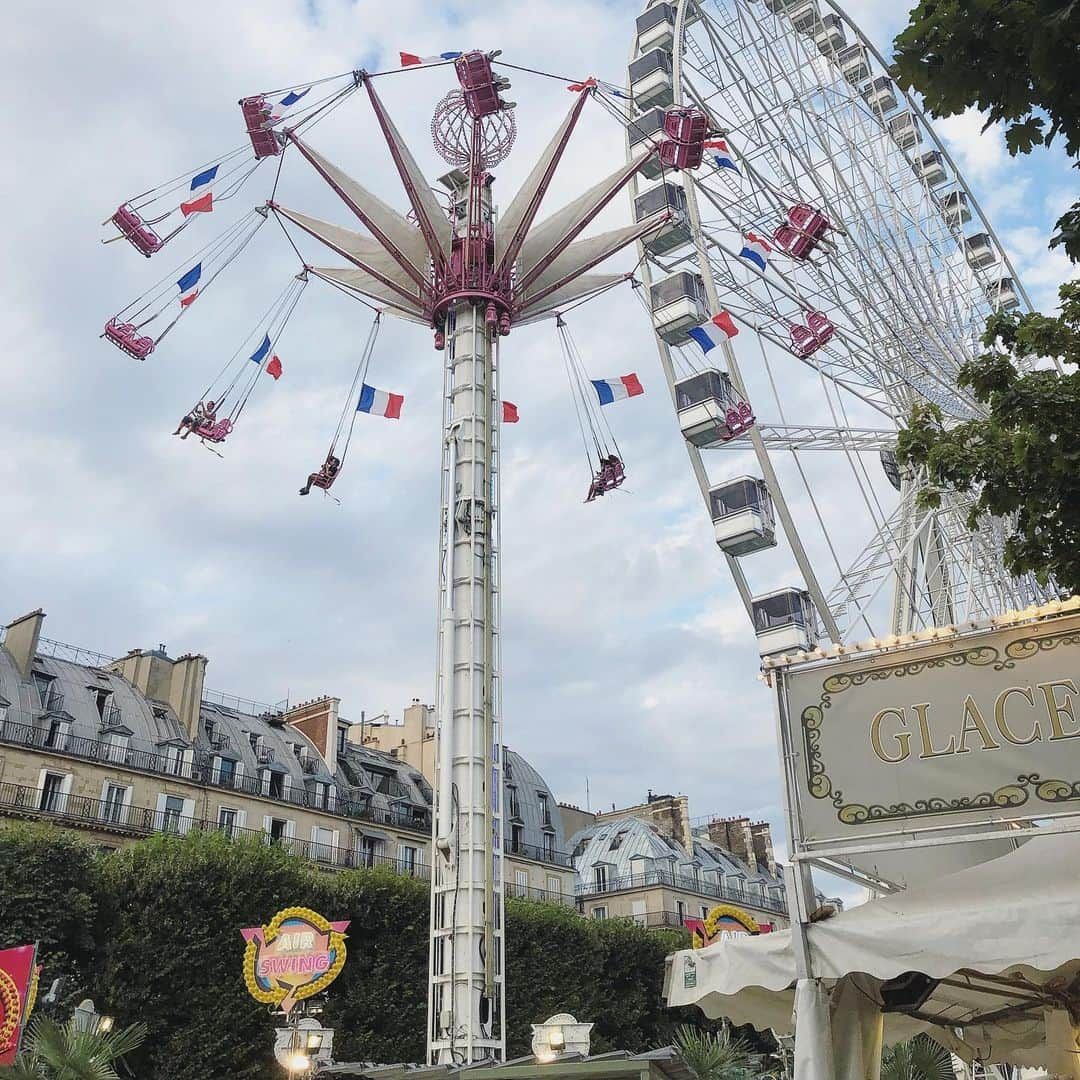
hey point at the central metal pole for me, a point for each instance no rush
(466, 1004)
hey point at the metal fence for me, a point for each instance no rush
(695, 886)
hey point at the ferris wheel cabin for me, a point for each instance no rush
(980, 251)
(676, 233)
(648, 127)
(930, 167)
(703, 401)
(854, 65)
(742, 516)
(955, 209)
(905, 131)
(880, 94)
(656, 28)
(784, 621)
(651, 79)
(1002, 294)
(830, 36)
(678, 303)
(804, 16)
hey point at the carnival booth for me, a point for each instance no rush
(986, 960)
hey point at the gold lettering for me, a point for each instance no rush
(928, 750)
(903, 738)
(1002, 721)
(973, 721)
(1056, 709)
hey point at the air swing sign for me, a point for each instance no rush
(294, 956)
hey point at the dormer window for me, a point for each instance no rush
(51, 700)
(208, 723)
(342, 738)
(255, 739)
(298, 750)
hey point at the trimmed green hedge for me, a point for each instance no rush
(151, 933)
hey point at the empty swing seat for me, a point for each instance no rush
(214, 432)
(685, 144)
(799, 236)
(708, 409)
(256, 112)
(820, 326)
(479, 84)
(803, 342)
(742, 515)
(126, 336)
(132, 226)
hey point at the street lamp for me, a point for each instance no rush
(87, 1018)
(558, 1036)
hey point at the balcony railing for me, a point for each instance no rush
(684, 884)
(537, 853)
(202, 771)
(221, 742)
(85, 812)
(110, 717)
(544, 896)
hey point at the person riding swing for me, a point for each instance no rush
(325, 477)
(611, 474)
(203, 415)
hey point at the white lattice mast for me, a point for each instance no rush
(472, 280)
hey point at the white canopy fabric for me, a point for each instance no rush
(1003, 938)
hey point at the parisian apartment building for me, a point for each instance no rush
(117, 748)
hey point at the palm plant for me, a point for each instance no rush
(713, 1055)
(55, 1051)
(919, 1059)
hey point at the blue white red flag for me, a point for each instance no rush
(723, 159)
(616, 91)
(189, 285)
(411, 59)
(380, 402)
(260, 354)
(710, 334)
(755, 250)
(609, 390)
(205, 177)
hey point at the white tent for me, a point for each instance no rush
(999, 943)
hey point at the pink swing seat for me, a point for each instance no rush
(256, 112)
(684, 146)
(214, 432)
(739, 418)
(804, 228)
(126, 336)
(820, 326)
(478, 84)
(803, 342)
(133, 228)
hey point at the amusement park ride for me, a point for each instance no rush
(821, 237)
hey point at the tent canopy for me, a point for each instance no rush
(999, 942)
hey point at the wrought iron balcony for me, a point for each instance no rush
(536, 853)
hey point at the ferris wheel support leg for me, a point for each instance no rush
(465, 1006)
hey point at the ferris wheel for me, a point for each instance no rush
(835, 232)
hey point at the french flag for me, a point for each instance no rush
(290, 99)
(710, 334)
(260, 354)
(409, 59)
(207, 176)
(189, 285)
(204, 204)
(380, 402)
(755, 250)
(723, 159)
(609, 390)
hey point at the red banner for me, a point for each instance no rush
(16, 990)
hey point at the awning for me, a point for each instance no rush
(1002, 939)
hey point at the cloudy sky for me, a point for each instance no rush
(628, 661)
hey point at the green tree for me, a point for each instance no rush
(1023, 459)
(1015, 60)
(54, 1051)
(919, 1059)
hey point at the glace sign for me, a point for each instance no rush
(973, 727)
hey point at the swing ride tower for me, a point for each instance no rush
(470, 275)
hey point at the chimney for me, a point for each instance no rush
(734, 835)
(761, 836)
(179, 683)
(22, 639)
(318, 720)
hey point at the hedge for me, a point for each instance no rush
(150, 932)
